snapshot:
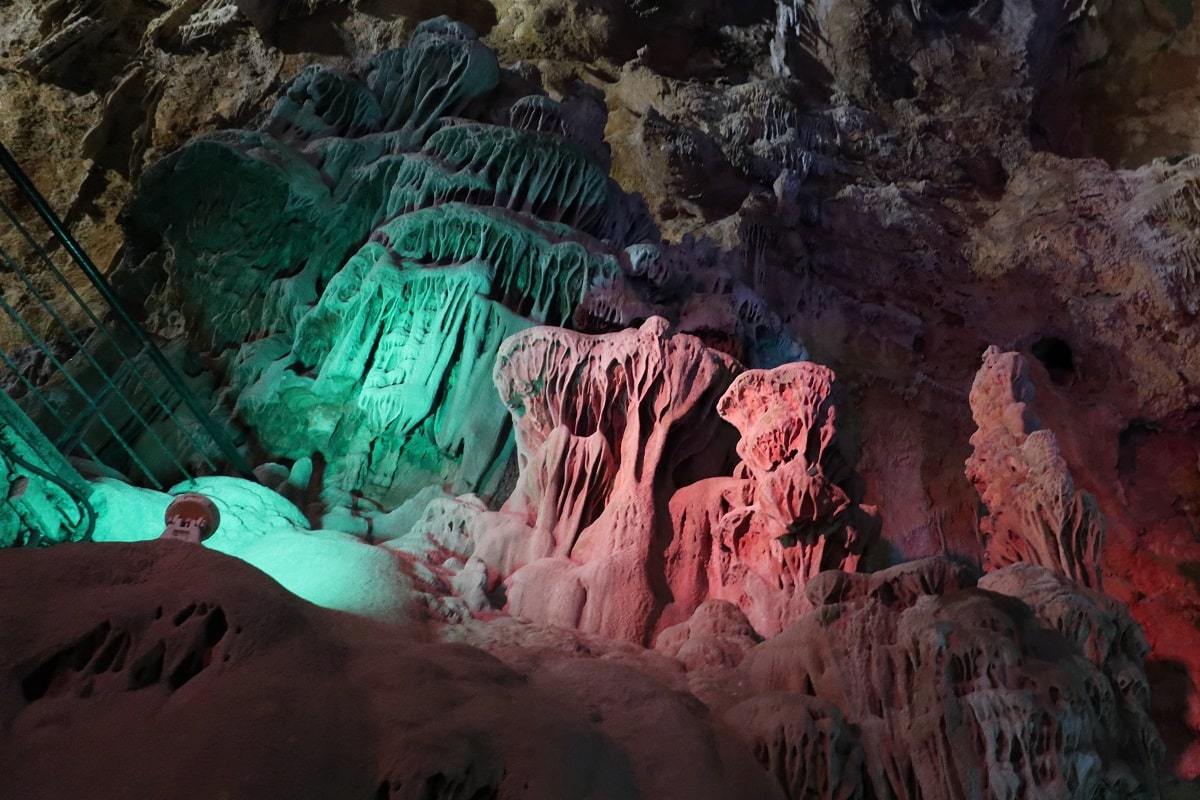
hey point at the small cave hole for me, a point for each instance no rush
(948, 8)
(201, 655)
(148, 668)
(112, 656)
(183, 615)
(215, 627)
(52, 674)
(1055, 354)
(1017, 753)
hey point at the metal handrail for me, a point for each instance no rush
(79, 256)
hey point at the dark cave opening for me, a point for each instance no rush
(1056, 356)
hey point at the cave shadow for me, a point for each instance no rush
(315, 33)
(1170, 688)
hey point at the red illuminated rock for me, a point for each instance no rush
(957, 691)
(625, 520)
(757, 539)
(1035, 515)
(607, 428)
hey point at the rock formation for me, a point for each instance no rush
(390, 236)
(898, 185)
(364, 294)
(607, 429)
(629, 512)
(183, 671)
(790, 511)
(1034, 515)
(996, 691)
(910, 683)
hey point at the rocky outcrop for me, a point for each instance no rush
(790, 511)
(223, 683)
(805, 744)
(958, 691)
(629, 512)
(356, 324)
(364, 251)
(1034, 515)
(607, 428)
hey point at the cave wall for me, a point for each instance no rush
(906, 183)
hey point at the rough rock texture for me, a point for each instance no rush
(187, 673)
(363, 251)
(607, 428)
(900, 181)
(909, 683)
(790, 511)
(630, 513)
(1034, 515)
(960, 692)
(370, 302)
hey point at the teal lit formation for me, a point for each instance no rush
(364, 253)
(46, 499)
(358, 259)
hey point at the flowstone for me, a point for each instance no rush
(607, 428)
(1034, 514)
(791, 509)
(957, 691)
(364, 253)
(631, 511)
(359, 258)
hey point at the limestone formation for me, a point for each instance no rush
(804, 743)
(1113, 644)
(384, 252)
(1034, 514)
(898, 185)
(958, 691)
(716, 635)
(607, 428)
(367, 248)
(220, 682)
(625, 518)
(791, 511)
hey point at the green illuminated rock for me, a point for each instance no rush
(358, 260)
(45, 501)
(363, 254)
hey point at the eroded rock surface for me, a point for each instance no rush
(958, 691)
(607, 428)
(790, 511)
(222, 683)
(896, 179)
(1034, 515)
(361, 254)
